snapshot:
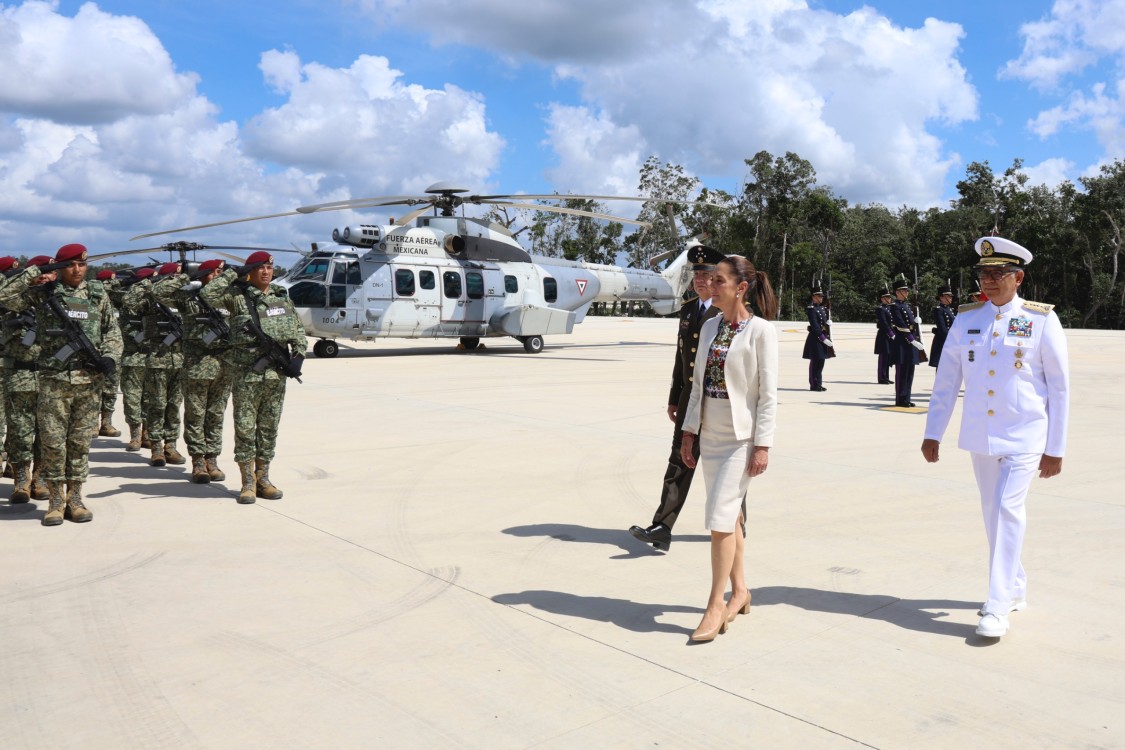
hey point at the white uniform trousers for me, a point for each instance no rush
(1003, 482)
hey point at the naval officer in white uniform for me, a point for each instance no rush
(1011, 356)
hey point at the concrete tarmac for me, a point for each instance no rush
(450, 568)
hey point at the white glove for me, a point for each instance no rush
(918, 320)
(828, 342)
(918, 345)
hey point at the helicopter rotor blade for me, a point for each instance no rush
(357, 203)
(213, 224)
(571, 211)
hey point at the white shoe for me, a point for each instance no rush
(993, 626)
(1017, 605)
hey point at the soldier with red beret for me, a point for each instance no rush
(206, 379)
(164, 365)
(108, 278)
(268, 346)
(134, 360)
(80, 343)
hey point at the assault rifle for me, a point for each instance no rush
(76, 340)
(169, 322)
(273, 354)
(25, 320)
(217, 326)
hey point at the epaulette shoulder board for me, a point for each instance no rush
(1039, 307)
(970, 306)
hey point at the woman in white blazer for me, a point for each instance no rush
(732, 410)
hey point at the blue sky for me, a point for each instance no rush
(124, 116)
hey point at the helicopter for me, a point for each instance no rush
(449, 276)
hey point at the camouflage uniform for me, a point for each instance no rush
(69, 389)
(163, 393)
(109, 389)
(133, 367)
(206, 380)
(258, 394)
(21, 395)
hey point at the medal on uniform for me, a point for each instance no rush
(1019, 364)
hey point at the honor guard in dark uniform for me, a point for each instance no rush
(677, 478)
(976, 294)
(818, 343)
(943, 320)
(884, 336)
(906, 343)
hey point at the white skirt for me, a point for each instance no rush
(724, 461)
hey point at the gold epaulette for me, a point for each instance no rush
(969, 306)
(1039, 307)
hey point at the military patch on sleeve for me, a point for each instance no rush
(1039, 307)
(970, 306)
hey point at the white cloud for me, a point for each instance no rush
(1075, 35)
(91, 68)
(364, 123)
(595, 156)
(1101, 111)
(1051, 172)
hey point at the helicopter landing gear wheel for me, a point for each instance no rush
(532, 344)
(469, 343)
(325, 348)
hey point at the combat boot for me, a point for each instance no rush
(55, 510)
(246, 496)
(199, 473)
(21, 488)
(172, 455)
(265, 487)
(146, 441)
(107, 429)
(39, 488)
(157, 453)
(75, 510)
(134, 438)
(213, 470)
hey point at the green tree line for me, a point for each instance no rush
(799, 231)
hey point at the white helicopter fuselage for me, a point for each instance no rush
(452, 277)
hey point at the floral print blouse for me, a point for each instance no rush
(715, 382)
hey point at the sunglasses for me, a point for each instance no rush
(994, 274)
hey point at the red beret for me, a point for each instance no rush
(7, 263)
(208, 266)
(168, 268)
(106, 275)
(143, 273)
(70, 252)
(259, 257)
(40, 260)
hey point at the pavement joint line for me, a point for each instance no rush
(591, 639)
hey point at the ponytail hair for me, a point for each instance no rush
(760, 297)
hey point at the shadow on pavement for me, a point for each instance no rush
(636, 616)
(620, 538)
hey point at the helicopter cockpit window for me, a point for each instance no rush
(307, 294)
(337, 295)
(550, 290)
(346, 273)
(316, 269)
(404, 282)
(474, 284)
(511, 284)
(426, 279)
(451, 282)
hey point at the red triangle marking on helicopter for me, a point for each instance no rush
(581, 286)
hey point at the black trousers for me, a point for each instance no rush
(816, 373)
(904, 382)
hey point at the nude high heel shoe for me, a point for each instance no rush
(701, 636)
(743, 610)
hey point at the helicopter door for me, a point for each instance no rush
(342, 303)
(452, 298)
(417, 301)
